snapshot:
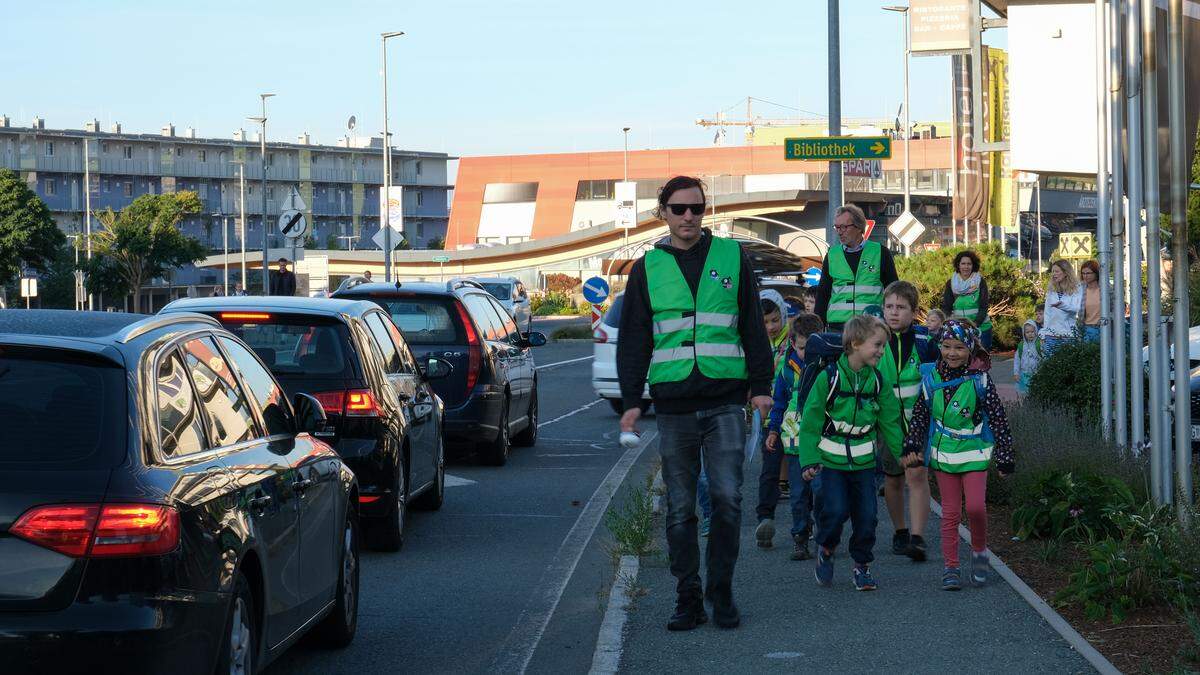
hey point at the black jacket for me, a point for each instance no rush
(635, 343)
(887, 274)
(984, 301)
(283, 283)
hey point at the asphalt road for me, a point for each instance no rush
(509, 572)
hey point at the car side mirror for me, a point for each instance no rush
(535, 339)
(436, 369)
(310, 415)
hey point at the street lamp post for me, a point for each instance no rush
(224, 247)
(242, 210)
(626, 132)
(907, 122)
(263, 161)
(384, 205)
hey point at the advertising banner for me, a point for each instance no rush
(970, 202)
(1000, 185)
(940, 26)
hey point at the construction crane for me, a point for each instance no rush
(751, 121)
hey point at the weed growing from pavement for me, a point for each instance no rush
(632, 524)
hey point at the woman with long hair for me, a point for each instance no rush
(1064, 300)
(1089, 275)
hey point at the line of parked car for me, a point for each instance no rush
(188, 492)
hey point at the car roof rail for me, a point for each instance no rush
(455, 284)
(140, 328)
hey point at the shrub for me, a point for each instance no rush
(550, 304)
(1075, 506)
(577, 332)
(1010, 291)
(1070, 380)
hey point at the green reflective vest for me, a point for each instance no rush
(959, 440)
(699, 331)
(854, 290)
(852, 407)
(967, 307)
(904, 379)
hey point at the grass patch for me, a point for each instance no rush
(579, 332)
(632, 524)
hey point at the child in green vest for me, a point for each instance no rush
(772, 480)
(908, 347)
(783, 429)
(848, 405)
(959, 429)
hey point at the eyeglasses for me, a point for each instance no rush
(839, 228)
(678, 209)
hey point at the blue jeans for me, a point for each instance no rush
(768, 481)
(1053, 343)
(702, 497)
(720, 435)
(847, 495)
(1091, 334)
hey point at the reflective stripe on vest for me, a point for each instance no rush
(967, 307)
(696, 331)
(854, 290)
(905, 379)
(850, 417)
(957, 443)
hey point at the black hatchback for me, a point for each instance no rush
(491, 397)
(163, 507)
(384, 418)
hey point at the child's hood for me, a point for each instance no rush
(1033, 323)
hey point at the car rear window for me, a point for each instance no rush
(60, 410)
(613, 316)
(299, 345)
(498, 290)
(425, 321)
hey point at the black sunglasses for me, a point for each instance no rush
(678, 209)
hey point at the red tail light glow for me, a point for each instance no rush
(474, 349)
(367, 499)
(360, 403)
(111, 530)
(600, 336)
(245, 316)
(331, 401)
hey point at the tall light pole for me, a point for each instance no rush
(835, 111)
(224, 247)
(87, 213)
(385, 215)
(242, 210)
(262, 148)
(907, 123)
(625, 130)
(1179, 289)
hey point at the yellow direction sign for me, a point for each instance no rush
(1075, 245)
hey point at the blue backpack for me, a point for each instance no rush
(935, 426)
(821, 354)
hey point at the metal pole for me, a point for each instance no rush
(1133, 59)
(1038, 226)
(1116, 124)
(953, 166)
(87, 210)
(835, 114)
(263, 160)
(907, 120)
(1158, 409)
(242, 209)
(225, 245)
(1180, 178)
(384, 204)
(626, 159)
(1103, 229)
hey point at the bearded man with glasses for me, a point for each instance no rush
(854, 272)
(692, 325)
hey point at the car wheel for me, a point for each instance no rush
(389, 533)
(528, 436)
(337, 629)
(434, 497)
(496, 452)
(239, 647)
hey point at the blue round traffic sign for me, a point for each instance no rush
(812, 276)
(595, 290)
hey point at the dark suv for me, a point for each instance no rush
(163, 507)
(491, 397)
(384, 418)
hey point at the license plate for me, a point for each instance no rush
(1196, 432)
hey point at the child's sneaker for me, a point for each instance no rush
(824, 569)
(900, 542)
(800, 547)
(705, 523)
(950, 579)
(785, 490)
(916, 548)
(765, 533)
(863, 580)
(979, 568)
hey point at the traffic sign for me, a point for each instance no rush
(812, 276)
(870, 227)
(293, 202)
(293, 224)
(597, 316)
(907, 228)
(29, 287)
(397, 237)
(1075, 245)
(838, 148)
(626, 199)
(595, 290)
(441, 259)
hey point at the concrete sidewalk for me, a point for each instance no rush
(789, 624)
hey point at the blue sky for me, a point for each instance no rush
(470, 78)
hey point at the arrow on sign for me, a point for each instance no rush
(877, 148)
(292, 223)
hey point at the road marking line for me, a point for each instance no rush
(563, 363)
(457, 481)
(516, 653)
(573, 412)
(580, 454)
(607, 657)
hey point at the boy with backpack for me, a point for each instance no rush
(908, 347)
(958, 429)
(847, 406)
(772, 478)
(783, 429)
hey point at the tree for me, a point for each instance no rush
(1012, 295)
(331, 242)
(405, 244)
(436, 244)
(29, 236)
(142, 242)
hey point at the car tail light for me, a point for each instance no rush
(331, 401)
(474, 349)
(245, 316)
(111, 530)
(360, 403)
(368, 499)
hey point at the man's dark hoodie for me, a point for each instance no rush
(635, 343)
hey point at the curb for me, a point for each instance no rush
(1059, 624)
(609, 644)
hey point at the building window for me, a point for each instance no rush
(419, 199)
(178, 152)
(127, 151)
(128, 188)
(104, 148)
(49, 148)
(203, 155)
(420, 230)
(51, 187)
(104, 185)
(509, 193)
(418, 167)
(270, 159)
(270, 193)
(595, 189)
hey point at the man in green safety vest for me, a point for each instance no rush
(691, 325)
(854, 272)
